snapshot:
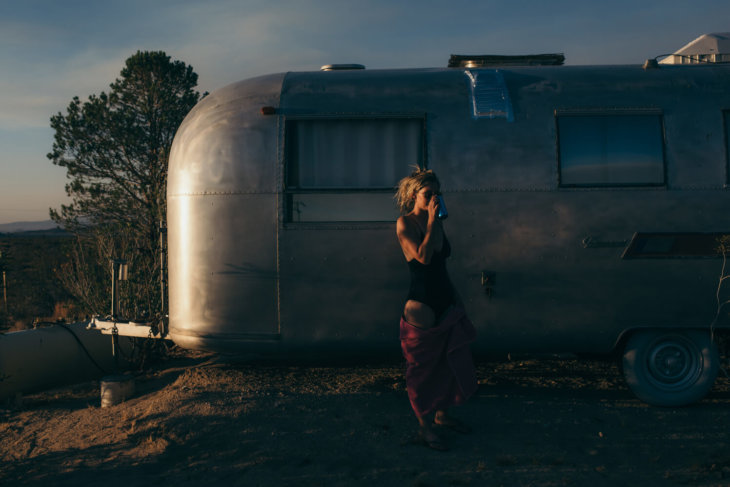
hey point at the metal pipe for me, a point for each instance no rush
(5, 294)
(163, 279)
(115, 269)
(119, 273)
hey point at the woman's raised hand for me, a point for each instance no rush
(433, 208)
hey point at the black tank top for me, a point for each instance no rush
(430, 284)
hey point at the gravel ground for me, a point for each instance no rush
(197, 419)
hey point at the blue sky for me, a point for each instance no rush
(53, 50)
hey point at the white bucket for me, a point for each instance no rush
(116, 389)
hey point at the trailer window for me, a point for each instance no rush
(346, 169)
(611, 150)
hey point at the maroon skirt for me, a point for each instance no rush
(440, 369)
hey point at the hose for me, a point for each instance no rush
(83, 347)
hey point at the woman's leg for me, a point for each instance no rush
(419, 314)
(442, 418)
(428, 435)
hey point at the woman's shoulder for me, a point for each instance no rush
(406, 222)
(409, 227)
(402, 221)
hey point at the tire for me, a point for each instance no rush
(670, 367)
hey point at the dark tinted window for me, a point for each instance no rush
(611, 150)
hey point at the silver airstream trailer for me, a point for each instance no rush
(586, 208)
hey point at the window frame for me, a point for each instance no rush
(609, 112)
(289, 191)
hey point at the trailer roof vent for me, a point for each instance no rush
(341, 67)
(489, 95)
(481, 61)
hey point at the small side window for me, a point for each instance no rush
(610, 150)
(345, 170)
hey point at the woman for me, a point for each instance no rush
(434, 330)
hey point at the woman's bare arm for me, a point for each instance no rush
(410, 241)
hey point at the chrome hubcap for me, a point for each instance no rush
(674, 364)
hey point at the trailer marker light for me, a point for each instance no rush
(268, 111)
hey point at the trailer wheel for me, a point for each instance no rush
(670, 368)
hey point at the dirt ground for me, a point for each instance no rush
(196, 419)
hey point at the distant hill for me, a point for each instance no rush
(16, 227)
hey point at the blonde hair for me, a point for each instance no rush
(409, 186)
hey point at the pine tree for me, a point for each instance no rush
(115, 149)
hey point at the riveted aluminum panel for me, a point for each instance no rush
(243, 278)
(222, 214)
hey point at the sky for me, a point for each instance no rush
(53, 50)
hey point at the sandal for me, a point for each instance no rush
(431, 440)
(454, 424)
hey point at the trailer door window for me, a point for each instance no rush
(611, 150)
(346, 169)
